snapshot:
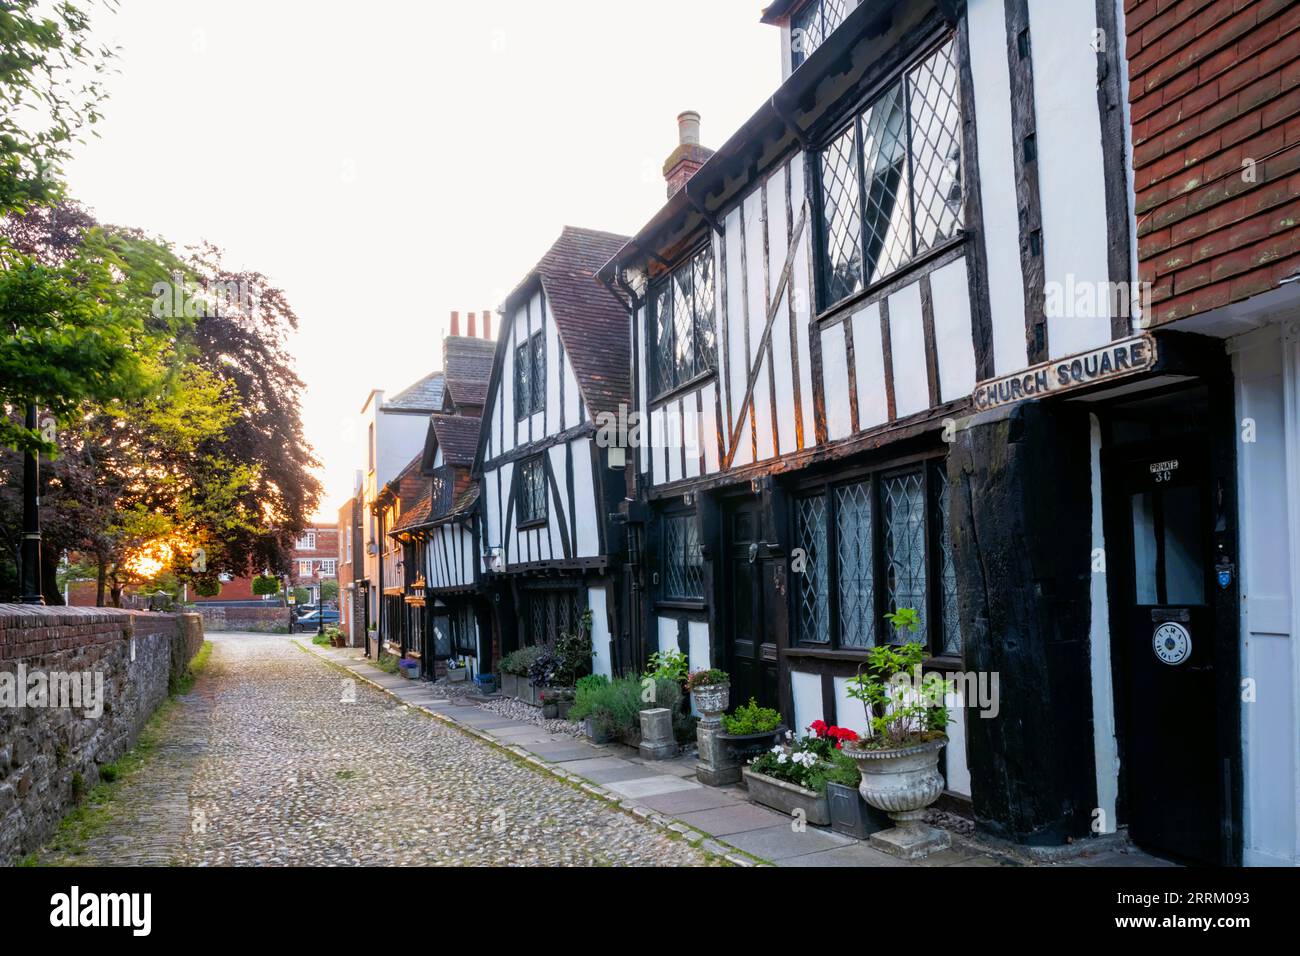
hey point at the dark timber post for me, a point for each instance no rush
(31, 549)
(1022, 542)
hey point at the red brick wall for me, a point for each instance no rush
(1212, 84)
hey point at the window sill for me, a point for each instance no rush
(531, 525)
(677, 391)
(898, 278)
(681, 604)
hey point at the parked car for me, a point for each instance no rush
(314, 617)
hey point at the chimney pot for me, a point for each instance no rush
(688, 128)
(487, 324)
(473, 326)
(455, 323)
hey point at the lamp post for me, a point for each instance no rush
(31, 549)
(320, 603)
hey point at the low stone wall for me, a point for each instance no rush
(76, 687)
(260, 620)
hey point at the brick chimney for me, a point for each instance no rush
(473, 326)
(487, 323)
(689, 155)
(455, 323)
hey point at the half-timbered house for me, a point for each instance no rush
(890, 352)
(439, 532)
(547, 490)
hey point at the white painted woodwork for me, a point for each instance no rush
(1071, 176)
(869, 368)
(907, 349)
(600, 637)
(806, 693)
(950, 293)
(835, 381)
(997, 178)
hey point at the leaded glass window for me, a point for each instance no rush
(532, 491)
(683, 559)
(812, 597)
(947, 567)
(530, 376)
(855, 584)
(891, 183)
(813, 24)
(682, 323)
(549, 614)
(903, 516)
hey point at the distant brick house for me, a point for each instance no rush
(315, 559)
(352, 605)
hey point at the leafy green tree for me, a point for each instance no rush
(266, 585)
(329, 590)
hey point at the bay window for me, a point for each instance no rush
(682, 313)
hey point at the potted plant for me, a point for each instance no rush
(710, 691)
(553, 700)
(750, 731)
(850, 814)
(790, 778)
(457, 671)
(899, 761)
(409, 668)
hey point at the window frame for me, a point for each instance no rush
(533, 350)
(690, 519)
(658, 389)
(820, 6)
(525, 519)
(851, 118)
(828, 486)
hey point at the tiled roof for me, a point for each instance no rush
(593, 324)
(457, 437)
(418, 513)
(424, 396)
(467, 363)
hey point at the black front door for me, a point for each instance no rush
(439, 640)
(1160, 547)
(753, 657)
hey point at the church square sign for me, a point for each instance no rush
(1116, 360)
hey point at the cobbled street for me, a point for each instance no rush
(263, 763)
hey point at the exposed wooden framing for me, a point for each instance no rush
(568, 480)
(795, 366)
(765, 339)
(887, 359)
(724, 385)
(931, 345)
(1023, 128)
(1111, 109)
(699, 427)
(528, 451)
(598, 492)
(850, 360)
(973, 214)
(745, 411)
(771, 308)
(895, 431)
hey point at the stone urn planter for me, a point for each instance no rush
(903, 783)
(742, 748)
(712, 700)
(787, 797)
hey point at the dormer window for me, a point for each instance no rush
(682, 322)
(814, 22)
(891, 186)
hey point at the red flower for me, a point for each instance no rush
(819, 728)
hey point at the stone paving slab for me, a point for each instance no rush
(615, 774)
(736, 818)
(860, 854)
(778, 843)
(686, 801)
(652, 786)
(562, 752)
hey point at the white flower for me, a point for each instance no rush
(777, 750)
(782, 758)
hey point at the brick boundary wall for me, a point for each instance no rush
(261, 620)
(47, 754)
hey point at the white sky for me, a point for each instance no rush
(389, 161)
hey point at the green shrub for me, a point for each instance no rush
(264, 585)
(751, 719)
(519, 662)
(668, 665)
(615, 706)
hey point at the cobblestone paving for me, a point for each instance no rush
(266, 765)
